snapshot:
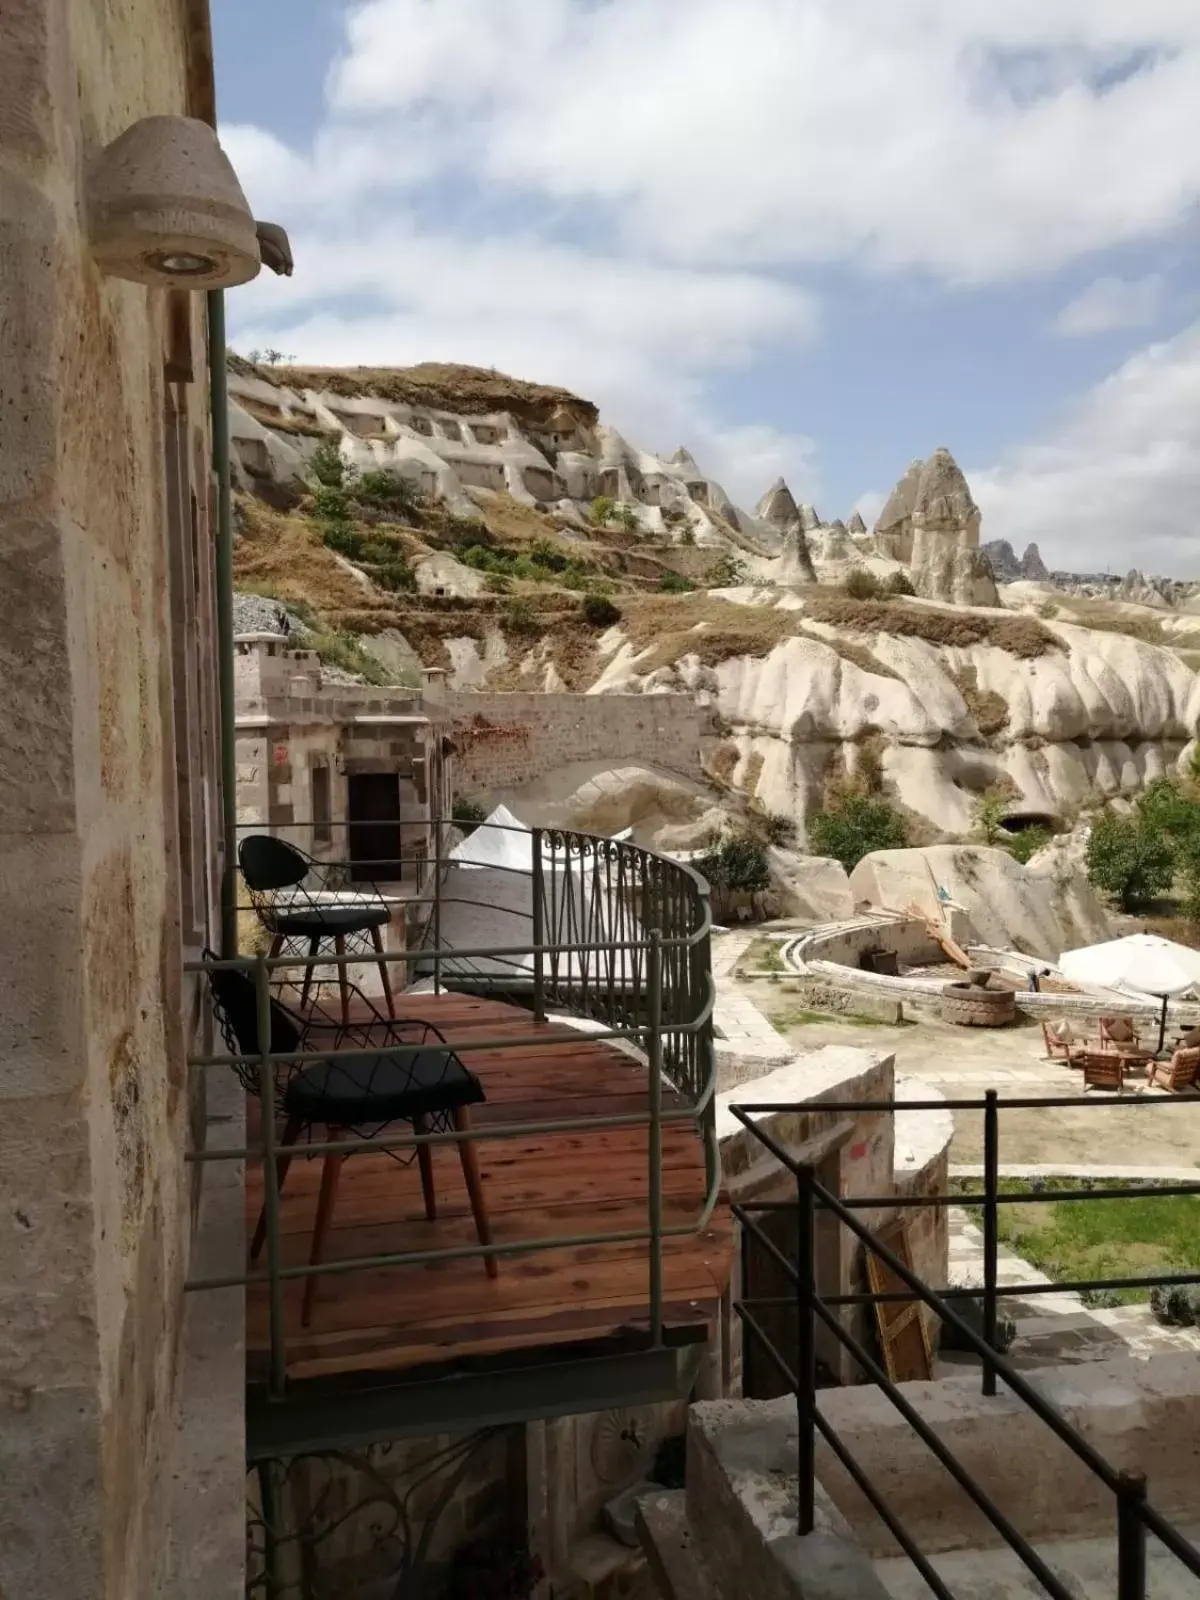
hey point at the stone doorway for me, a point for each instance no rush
(373, 804)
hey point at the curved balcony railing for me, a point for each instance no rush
(562, 922)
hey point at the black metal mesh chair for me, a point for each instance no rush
(271, 866)
(413, 1077)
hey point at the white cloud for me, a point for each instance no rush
(1110, 303)
(641, 339)
(1118, 483)
(973, 140)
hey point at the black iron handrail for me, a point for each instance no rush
(1135, 1516)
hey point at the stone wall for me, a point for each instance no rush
(504, 741)
(92, 827)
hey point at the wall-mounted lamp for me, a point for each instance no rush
(166, 209)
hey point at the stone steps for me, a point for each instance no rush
(1087, 1567)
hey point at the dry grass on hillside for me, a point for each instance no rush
(989, 709)
(285, 554)
(1023, 637)
(865, 660)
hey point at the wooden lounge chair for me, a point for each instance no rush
(1060, 1040)
(1120, 1032)
(1178, 1073)
(1102, 1069)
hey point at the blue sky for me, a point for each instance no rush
(808, 237)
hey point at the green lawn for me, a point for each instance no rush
(1076, 1239)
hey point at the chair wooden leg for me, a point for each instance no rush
(339, 944)
(330, 1174)
(282, 1162)
(385, 975)
(314, 948)
(425, 1162)
(470, 1165)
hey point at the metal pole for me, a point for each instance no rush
(437, 904)
(991, 1231)
(655, 1054)
(266, 1098)
(539, 930)
(219, 411)
(806, 1351)
(1131, 1537)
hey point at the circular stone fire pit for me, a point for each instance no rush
(978, 1005)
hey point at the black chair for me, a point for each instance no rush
(270, 865)
(415, 1077)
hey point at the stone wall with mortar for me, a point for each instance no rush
(506, 740)
(93, 1015)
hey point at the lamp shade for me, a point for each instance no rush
(165, 208)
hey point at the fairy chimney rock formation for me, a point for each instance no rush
(856, 525)
(809, 518)
(893, 529)
(947, 563)
(1033, 567)
(779, 510)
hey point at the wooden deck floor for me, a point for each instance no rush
(398, 1318)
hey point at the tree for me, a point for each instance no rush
(727, 572)
(862, 585)
(991, 807)
(738, 862)
(1028, 842)
(900, 583)
(328, 465)
(602, 507)
(598, 612)
(1130, 858)
(854, 827)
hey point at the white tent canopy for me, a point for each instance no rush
(487, 903)
(1139, 964)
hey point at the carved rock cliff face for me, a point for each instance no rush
(931, 521)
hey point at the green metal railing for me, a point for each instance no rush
(618, 935)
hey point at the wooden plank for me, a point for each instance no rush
(535, 1186)
(903, 1336)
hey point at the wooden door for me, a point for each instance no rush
(373, 800)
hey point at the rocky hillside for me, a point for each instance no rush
(457, 517)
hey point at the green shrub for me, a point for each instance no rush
(854, 827)
(675, 583)
(598, 612)
(727, 572)
(346, 650)
(900, 583)
(862, 585)
(330, 503)
(467, 813)
(1028, 842)
(327, 464)
(627, 518)
(520, 617)
(778, 828)
(389, 491)
(602, 508)
(738, 862)
(1130, 858)
(991, 808)
(543, 554)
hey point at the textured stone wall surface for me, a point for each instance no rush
(92, 1017)
(506, 740)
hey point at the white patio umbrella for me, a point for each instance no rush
(1141, 963)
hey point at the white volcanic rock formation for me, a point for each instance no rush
(460, 432)
(777, 509)
(1099, 717)
(931, 522)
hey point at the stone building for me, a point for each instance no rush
(347, 773)
(116, 205)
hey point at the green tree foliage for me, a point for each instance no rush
(327, 464)
(900, 583)
(598, 612)
(1028, 842)
(862, 585)
(727, 572)
(738, 862)
(602, 508)
(674, 583)
(991, 808)
(854, 826)
(1130, 858)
